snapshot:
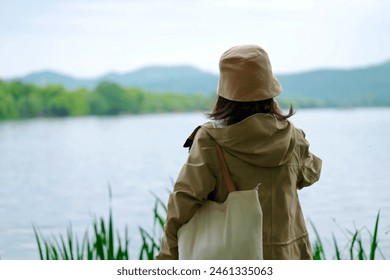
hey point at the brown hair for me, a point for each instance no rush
(233, 111)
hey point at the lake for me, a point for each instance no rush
(57, 171)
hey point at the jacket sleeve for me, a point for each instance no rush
(310, 165)
(193, 185)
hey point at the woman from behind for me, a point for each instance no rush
(261, 146)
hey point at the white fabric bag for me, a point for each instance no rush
(231, 230)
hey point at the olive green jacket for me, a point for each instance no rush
(260, 149)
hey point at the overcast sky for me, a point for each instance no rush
(87, 38)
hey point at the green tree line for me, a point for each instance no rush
(19, 100)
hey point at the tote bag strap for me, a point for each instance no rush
(228, 180)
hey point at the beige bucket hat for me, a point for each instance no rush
(246, 75)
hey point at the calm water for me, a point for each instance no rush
(53, 171)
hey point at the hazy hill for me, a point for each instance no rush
(347, 87)
(369, 85)
(50, 77)
(182, 79)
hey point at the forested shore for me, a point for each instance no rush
(19, 100)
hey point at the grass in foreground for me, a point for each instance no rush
(105, 244)
(102, 244)
(354, 249)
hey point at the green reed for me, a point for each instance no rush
(102, 244)
(106, 244)
(151, 241)
(354, 249)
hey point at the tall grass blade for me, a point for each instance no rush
(317, 250)
(157, 217)
(47, 250)
(89, 250)
(336, 247)
(54, 252)
(65, 254)
(351, 247)
(319, 253)
(120, 253)
(56, 245)
(38, 240)
(145, 247)
(149, 247)
(97, 246)
(361, 253)
(110, 253)
(127, 242)
(70, 241)
(79, 250)
(374, 239)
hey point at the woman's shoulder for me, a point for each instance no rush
(300, 131)
(197, 133)
(300, 138)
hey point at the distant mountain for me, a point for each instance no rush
(364, 86)
(181, 79)
(50, 77)
(184, 79)
(359, 86)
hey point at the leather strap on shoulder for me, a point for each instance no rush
(228, 180)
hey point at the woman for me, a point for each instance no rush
(260, 144)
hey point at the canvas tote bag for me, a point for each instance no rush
(231, 230)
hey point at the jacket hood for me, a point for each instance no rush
(260, 139)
